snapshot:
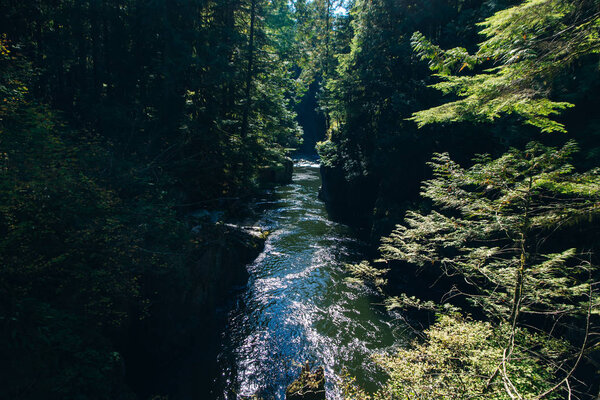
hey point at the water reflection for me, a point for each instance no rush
(298, 306)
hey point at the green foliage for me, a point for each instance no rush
(460, 359)
(327, 153)
(74, 254)
(488, 227)
(65, 266)
(491, 219)
(525, 49)
(166, 83)
(365, 272)
(376, 85)
(67, 358)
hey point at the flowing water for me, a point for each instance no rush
(298, 305)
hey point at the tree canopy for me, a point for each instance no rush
(525, 48)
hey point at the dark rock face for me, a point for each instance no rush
(222, 265)
(308, 386)
(182, 310)
(350, 202)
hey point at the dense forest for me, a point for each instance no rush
(461, 138)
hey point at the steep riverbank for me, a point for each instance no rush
(186, 306)
(374, 202)
(350, 202)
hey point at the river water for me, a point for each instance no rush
(298, 305)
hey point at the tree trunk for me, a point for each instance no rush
(327, 51)
(249, 70)
(518, 292)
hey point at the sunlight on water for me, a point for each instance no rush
(298, 306)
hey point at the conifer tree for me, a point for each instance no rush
(525, 49)
(488, 228)
(489, 225)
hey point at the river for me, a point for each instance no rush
(298, 305)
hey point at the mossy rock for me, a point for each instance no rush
(309, 386)
(277, 172)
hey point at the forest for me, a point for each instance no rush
(458, 139)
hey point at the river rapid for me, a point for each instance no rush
(298, 305)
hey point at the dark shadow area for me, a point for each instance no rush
(312, 122)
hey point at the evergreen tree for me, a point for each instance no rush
(525, 48)
(116, 118)
(489, 229)
(494, 218)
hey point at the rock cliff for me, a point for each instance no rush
(182, 310)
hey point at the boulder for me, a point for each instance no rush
(308, 386)
(277, 173)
